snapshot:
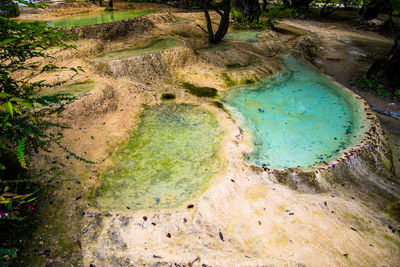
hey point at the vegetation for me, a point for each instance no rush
(200, 91)
(22, 130)
(168, 96)
(376, 83)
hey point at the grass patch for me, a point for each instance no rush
(200, 91)
(233, 65)
(228, 81)
(168, 96)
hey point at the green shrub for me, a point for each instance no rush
(375, 83)
(243, 22)
(168, 96)
(200, 91)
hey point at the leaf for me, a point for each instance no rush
(4, 94)
(6, 188)
(16, 99)
(21, 153)
(9, 107)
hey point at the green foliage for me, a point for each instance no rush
(23, 50)
(243, 22)
(200, 91)
(369, 84)
(167, 96)
(7, 255)
(279, 12)
(375, 83)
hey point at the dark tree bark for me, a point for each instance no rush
(286, 3)
(111, 4)
(223, 11)
(389, 68)
(369, 11)
(264, 4)
(250, 9)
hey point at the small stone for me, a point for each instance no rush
(145, 218)
(169, 235)
(221, 236)
(154, 224)
(190, 206)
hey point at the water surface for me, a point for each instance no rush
(154, 46)
(298, 118)
(97, 18)
(168, 160)
(244, 36)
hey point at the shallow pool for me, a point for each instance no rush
(244, 36)
(76, 89)
(298, 118)
(168, 160)
(154, 46)
(97, 18)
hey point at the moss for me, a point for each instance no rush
(200, 91)
(168, 96)
(233, 65)
(228, 81)
(182, 33)
(249, 81)
(218, 104)
(186, 139)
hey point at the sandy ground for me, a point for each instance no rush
(245, 218)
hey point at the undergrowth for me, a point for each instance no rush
(200, 91)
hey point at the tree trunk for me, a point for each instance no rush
(370, 11)
(223, 24)
(111, 4)
(391, 68)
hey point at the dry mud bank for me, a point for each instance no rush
(341, 213)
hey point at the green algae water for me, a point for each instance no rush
(168, 160)
(96, 18)
(298, 118)
(75, 89)
(154, 46)
(244, 36)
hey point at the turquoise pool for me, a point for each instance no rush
(297, 118)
